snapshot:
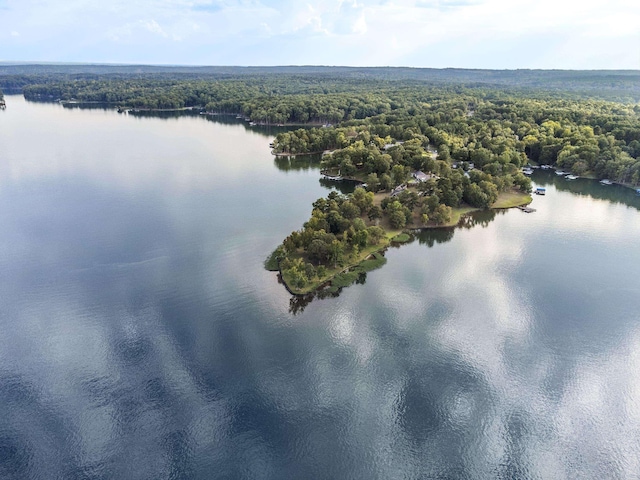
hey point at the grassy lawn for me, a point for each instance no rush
(271, 263)
(456, 215)
(401, 238)
(512, 199)
(345, 279)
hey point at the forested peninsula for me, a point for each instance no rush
(426, 146)
(436, 157)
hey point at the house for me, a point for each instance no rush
(398, 190)
(421, 176)
(391, 145)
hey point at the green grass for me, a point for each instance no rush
(377, 261)
(456, 215)
(345, 275)
(344, 279)
(512, 199)
(401, 238)
(271, 263)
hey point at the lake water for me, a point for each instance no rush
(140, 336)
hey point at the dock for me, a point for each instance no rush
(526, 209)
(332, 177)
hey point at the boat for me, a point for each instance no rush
(637, 191)
(527, 171)
(606, 182)
(541, 191)
(560, 172)
(571, 177)
(545, 167)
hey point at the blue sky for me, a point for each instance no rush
(585, 34)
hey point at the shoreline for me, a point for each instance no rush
(282, 154)
(119, 106)
(509, 200)
(326, 283)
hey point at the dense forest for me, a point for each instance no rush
(427, 145)
(464, 147)
(619, 85)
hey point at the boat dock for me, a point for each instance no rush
(526, 209)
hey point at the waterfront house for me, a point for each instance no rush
(399, 189)
(420, 176)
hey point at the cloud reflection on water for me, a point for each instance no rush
(140, 336)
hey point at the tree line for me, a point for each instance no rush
(492, 131)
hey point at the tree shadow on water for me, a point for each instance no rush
(298, 303)
(429, 237)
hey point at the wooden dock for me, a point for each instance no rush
(526, 209)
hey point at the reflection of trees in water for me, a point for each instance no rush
(429, 237)
(297, 303)
(312, 162)
(230, 119)
(224, 119)
(480, 218)
(299, 163)
(81, 106)
(589, 188)
(435, 235)
(344, 186)
(164, 115)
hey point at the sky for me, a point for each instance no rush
(500, 34)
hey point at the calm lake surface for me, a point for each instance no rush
(140, 336)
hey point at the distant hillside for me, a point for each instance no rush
(620, 85)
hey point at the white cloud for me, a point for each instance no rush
(153, 27)
(438, 33)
